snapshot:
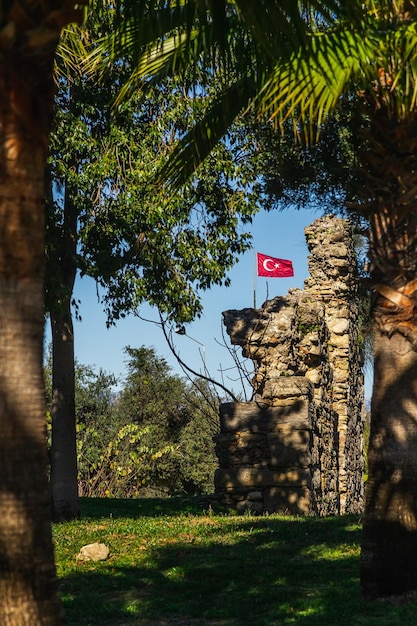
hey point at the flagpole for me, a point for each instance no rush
(255, 268)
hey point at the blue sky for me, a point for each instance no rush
(279, 234)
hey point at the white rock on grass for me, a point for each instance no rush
(93, 552)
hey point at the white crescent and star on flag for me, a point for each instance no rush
(274, 264)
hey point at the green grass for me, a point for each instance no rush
(173, 563)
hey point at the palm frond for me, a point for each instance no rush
(308, 87)
(295, 59)
(195, 146)
(402, 67)
(72, 47)
(148, 30)
(173, 56)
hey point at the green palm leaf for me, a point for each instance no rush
(195, 146)
(308, 88)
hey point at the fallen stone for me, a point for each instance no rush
(93, 552)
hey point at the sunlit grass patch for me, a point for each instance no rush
(330, 553)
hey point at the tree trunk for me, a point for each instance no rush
(64, 474)
(28, 589)
(389, 546)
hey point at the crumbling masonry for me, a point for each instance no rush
(299, 447)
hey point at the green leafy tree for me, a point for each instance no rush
(195, 443)
(96, 419)
(175, 414)
(300, 62)
(107, 219)
(112, 459)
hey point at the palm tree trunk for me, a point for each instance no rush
(28, 589)
(389, 545)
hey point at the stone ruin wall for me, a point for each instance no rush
(298, 448)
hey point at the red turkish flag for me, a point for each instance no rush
(274, 268)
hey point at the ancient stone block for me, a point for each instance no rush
(288, 500)
(338, 325)
(241, 449)
(236, 416)
(287, 387)
(254, 478)
(289, 447)
(254, 496)
(340, 341)
(249, 505)
(314, 376)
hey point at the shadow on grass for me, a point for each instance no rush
(257, 571)
(99, 508)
